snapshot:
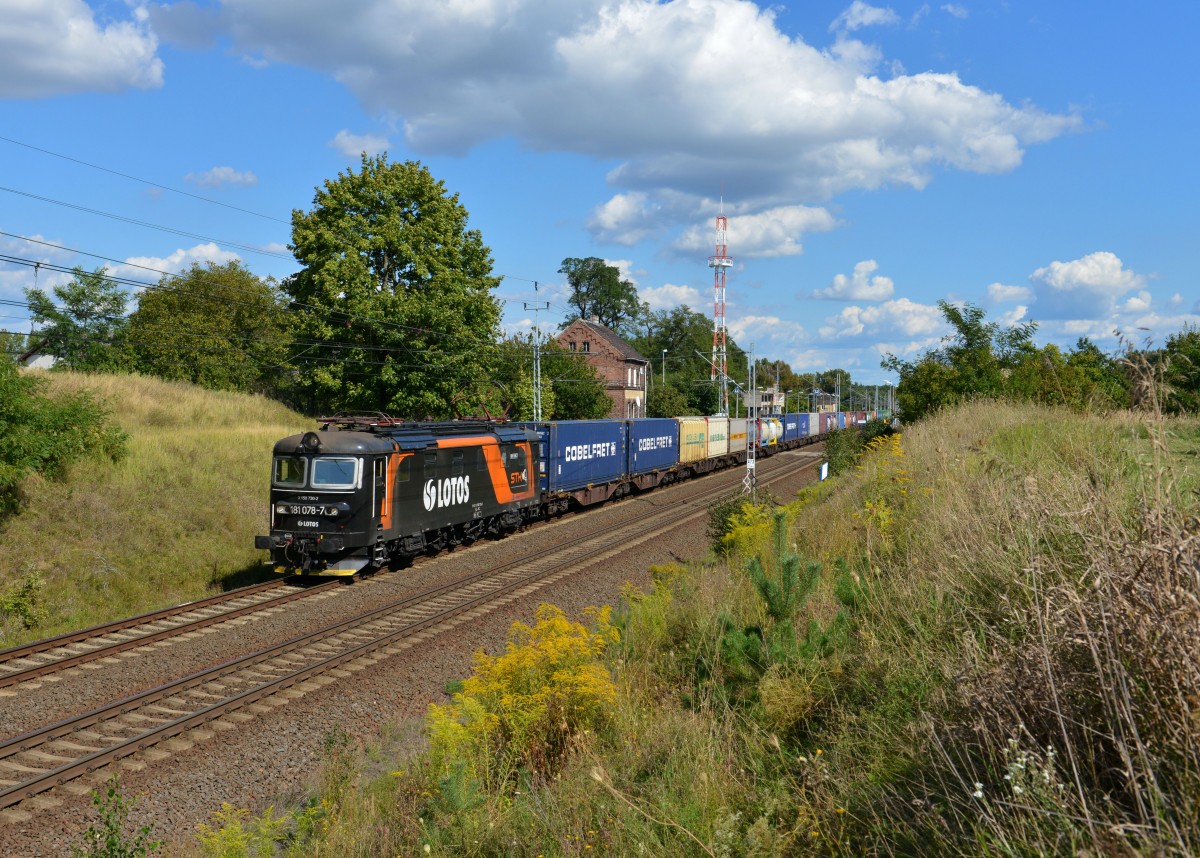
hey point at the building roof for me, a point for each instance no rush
(605, 333)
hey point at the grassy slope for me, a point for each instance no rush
(175, 520)
(1006, 574)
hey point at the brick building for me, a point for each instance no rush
(616, 362)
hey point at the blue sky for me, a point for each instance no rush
(1037, 159)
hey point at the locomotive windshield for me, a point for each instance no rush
(330, 472)
(289, 470)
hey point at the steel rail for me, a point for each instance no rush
(20, 675)
(48, 779)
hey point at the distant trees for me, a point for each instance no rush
(982, 359)
(83, 325)
(598, 290)
(218, 326)
(394, 293)
(687, 337)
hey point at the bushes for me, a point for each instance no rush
(523, 709)
(43, 435)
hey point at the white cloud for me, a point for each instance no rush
(353, 145)
(860, 286)
(859, 14)
(218, 176)
(771, 233)
(668, 296)
(758, 331)
(999, 293)
(1085, 288)
(899, 317)
(149, 267)
(53, 47)
(1013, 316)
(647, 84)
(955, 10)
(1138, 303)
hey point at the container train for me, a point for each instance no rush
(366, 491)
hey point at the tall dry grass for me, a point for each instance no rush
(173, 521)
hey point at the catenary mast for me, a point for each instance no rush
(720, 261)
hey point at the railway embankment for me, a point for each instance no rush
(173, 520)
(981, 636)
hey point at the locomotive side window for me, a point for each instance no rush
(516, 466)
(334, 472)
(289, 471)
(456, 463)
(380, 471)
(430, 463)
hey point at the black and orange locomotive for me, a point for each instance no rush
(369, 491)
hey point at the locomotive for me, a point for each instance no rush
(366, 491)
(363, 492)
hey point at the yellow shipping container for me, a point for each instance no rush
(693, 439)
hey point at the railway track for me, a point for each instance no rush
(188, 709)
(42, 658)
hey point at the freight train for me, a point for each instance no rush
(366, 491)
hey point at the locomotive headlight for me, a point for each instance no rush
(331, 511)
(281, 509)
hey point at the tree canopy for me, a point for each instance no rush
(684, 332)
(394, 292)
(218, 326)
(83, 326)
(598, 290)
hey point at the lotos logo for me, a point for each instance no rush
(447, 492)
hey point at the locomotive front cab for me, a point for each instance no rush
(328, 496)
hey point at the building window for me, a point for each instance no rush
(572, 345)
(587, 345)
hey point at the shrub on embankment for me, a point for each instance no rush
(981, 640)
(171, 520)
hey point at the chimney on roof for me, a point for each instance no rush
(594, 319)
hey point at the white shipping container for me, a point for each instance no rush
(718, 436)
(737, 434)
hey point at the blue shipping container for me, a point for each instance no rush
(653, 444)
(578, 453)
(791, 427)
(841, 419)
(802, 426)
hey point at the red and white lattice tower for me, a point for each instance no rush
(719, 262)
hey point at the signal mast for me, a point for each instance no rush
(720, 261)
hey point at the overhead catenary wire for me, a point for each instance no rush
(135, 222)
(144, 181)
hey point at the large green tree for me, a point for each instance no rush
(598, 290)
(219, 326)
(83, 325)
(394, 291)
